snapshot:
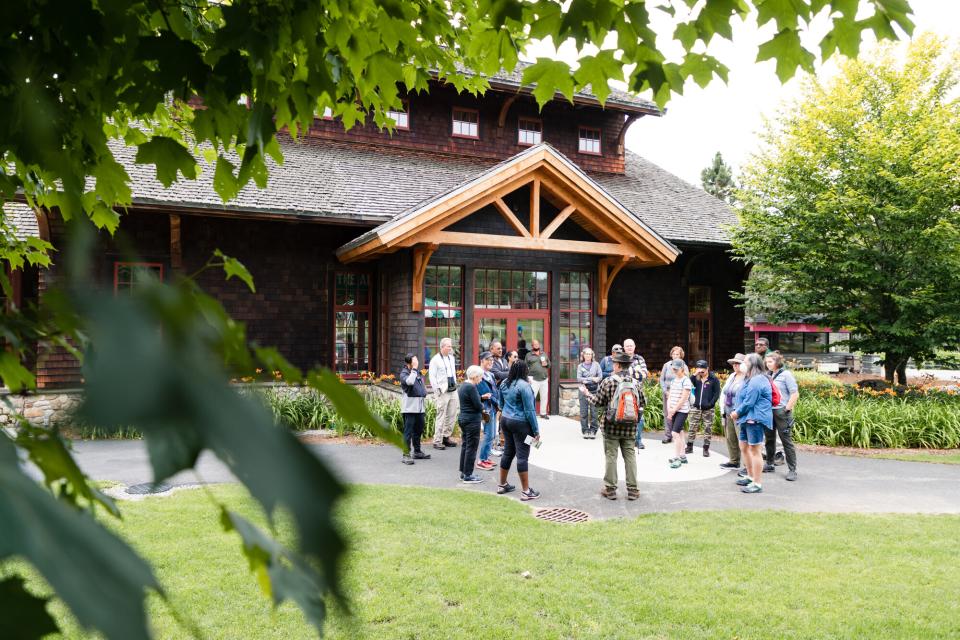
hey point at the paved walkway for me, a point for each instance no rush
(564, 470)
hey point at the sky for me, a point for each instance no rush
(727, 117)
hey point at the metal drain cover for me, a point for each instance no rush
(147, 488)
(562, 515)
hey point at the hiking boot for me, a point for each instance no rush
(689, 448)
(438, 446)
(609, 494)
(406, 459)
(744, 481)
(505, 488)
(768, 468)
(420, 455)
(447, 442)
(706, 451)
(792, 475)
(753, 487)
(633, 494)
(529, 494)
(729, 465)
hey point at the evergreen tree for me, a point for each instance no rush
(717, 179)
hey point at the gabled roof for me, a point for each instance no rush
(22, 218)
(594, 206)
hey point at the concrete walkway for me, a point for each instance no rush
(827, 483)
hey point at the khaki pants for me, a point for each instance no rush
(448, 405)
(625, 446)
(541, 388)
(733, 439)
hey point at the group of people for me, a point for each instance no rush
(496, 410)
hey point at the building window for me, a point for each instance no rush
(383, 325)
(442, 310)
(401, 118)
(503, 289)
(699, 320)
(327, 113)
(351, 309)
(127, 276)
(466, 123)
(576, 312)
(530, 132)
(589, 140)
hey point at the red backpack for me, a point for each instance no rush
(775, 391)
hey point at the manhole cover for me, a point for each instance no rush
(147, 488)
(562, 515)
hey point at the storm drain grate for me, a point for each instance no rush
(148, 488)
(562, 515)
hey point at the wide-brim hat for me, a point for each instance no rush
(737, 359)
(622, 358)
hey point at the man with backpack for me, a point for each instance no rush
(621, 401)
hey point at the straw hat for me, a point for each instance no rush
(737, 359)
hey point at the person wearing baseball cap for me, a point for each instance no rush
(728, 395)
(706, 392)
(678, 407)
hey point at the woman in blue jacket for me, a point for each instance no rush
(753, 413)
(517, 422)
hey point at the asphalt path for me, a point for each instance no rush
(827, 483)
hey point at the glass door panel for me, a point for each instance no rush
(489, 330)
(528, 330)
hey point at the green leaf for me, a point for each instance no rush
(550, 77)
(786, 13)
(225, 183)
(169, 156)
(84, 563)
(280, 574)
(234, 268)
(15, 376)
(596, 71)
(23, 616)
(786, 49)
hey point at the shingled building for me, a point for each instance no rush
(478, 218)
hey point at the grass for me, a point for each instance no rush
(920, 456)
(447, 564)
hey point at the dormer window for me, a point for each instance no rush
(466, 123)
(327, 113)
(401, 118)
(590, 140)
(530, 132)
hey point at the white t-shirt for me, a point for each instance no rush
(680, 383)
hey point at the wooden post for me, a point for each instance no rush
(176, 248)
(535, 208)
(421, 256)
(607, 270)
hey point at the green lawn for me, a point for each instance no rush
(447, 564)
(920, 456)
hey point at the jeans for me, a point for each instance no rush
(625, 446)
(782, 424)
(733, 439)
(468, 449)
(640, 426)
(588, 415)
(514, 434)
(412, 430)
(489, 431)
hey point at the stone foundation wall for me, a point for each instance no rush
(41, 409)
(569, 401)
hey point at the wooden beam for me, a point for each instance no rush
(621, 137)
(509, 217)
(461, 239)
(535, 208)
(176, 247)
(421, 257)
(559, 220)
(607, 270)
(502, 120)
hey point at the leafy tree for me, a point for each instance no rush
(717, 179)
(852, 211)
(79, 78)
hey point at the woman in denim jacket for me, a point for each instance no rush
(517, 422)
(753, 413)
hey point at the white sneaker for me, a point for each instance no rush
(496, 452)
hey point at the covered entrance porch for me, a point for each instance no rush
(526, 250)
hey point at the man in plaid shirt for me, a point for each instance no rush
(617, 437)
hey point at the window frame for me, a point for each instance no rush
(568, 308)
(355, 309)
(701, 315)
(580, 139)
(460, 344)
(123, 263)
(520, 130)
(406, 112)
(453, 122)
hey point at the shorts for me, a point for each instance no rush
(678, 422)
(752, 433)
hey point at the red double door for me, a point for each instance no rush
(515, 329)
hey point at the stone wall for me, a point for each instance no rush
(42, 409)
(570, 401)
